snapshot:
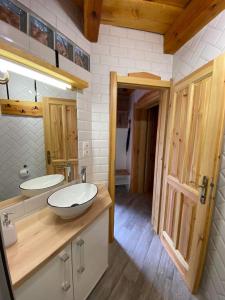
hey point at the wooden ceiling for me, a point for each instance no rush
(177, 20)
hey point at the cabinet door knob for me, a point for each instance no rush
(80, 242)
(64, 256)
(81, 270)
(66, 286)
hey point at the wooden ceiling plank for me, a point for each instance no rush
(92, 17)
(144, 15)
(197, 14)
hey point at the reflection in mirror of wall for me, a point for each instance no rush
(22, 149)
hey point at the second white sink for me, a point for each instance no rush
(72, 201)
(41, 184)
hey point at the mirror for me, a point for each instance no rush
(23, 137)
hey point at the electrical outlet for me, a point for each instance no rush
(86, 149)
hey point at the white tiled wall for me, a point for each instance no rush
(122, 50)
(203, 47)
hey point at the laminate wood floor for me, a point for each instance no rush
(139, 267)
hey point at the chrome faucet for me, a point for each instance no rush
(83, 174)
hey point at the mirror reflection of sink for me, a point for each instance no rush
(41, 184)
(72, 201)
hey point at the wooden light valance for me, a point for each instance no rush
(21, 108)
(26, 59)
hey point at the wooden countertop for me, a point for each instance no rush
(42, 235)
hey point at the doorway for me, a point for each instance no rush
(156, 93)
(136, 140)
(188, 161)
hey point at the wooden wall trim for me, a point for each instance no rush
(21, 108)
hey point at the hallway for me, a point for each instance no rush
(139, 267)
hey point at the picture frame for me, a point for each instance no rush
(41, 31)
(13, 14)
(81, 58)
(63, 46)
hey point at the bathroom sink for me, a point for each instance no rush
(41, 184)
(72, 201)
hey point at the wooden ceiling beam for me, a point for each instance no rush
(196, 15)
(178, 3)
(141, 15)
(92, 18)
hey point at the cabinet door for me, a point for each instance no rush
(90, 256)
(52, 281)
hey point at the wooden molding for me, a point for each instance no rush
(18, 55)
(144, 83)
(21, 108)
(92, 18)
(196, 15)
(144, 75)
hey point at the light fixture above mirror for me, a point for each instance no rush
(6, 65)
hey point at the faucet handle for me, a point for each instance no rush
(83, 169)
(83, 174)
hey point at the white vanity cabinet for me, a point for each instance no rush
(90, 256)
(73, 273)
(52, 281)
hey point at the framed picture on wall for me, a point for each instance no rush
(63, 46)
(81, 58)
(13, 15)
(41, 31)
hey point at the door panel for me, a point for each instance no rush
(61, 139)
(193, 151)
(71, 134)
(56, 132)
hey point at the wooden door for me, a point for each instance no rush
(193, 152)
(60, 126)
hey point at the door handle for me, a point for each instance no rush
(64, 257)
(80, 244)
(204, 187)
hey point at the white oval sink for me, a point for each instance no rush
(72, 201)
(41, 184)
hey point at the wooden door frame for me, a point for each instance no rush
(118, 81)
(149, 100)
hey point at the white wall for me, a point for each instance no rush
(203, 47)
(121, 50)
